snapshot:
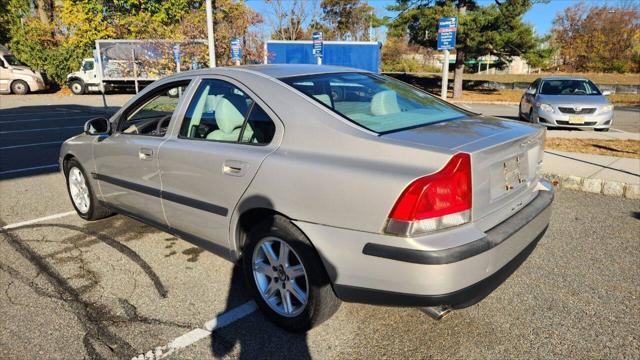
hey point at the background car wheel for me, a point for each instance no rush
(286, 277)
(81, 194)
(603, 130)
(19, 87)
(77, 87)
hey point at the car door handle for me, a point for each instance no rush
(145, 153)
(234, 167)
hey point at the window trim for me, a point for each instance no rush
(244, 123)
(145, 99)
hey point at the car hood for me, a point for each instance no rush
(460, 134)
(573, 99)
(21, 69)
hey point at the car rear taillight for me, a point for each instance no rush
(435, 201)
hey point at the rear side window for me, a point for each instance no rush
(220, 111)
(259, 128)
(217, 112)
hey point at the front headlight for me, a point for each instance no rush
(606, 108)
(545, 107)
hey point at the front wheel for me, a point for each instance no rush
(77, 87)
(286, 277)
(81, 193)
(19, 87)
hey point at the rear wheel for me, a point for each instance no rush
(77, 87)
(81, 194)
(286, 277)
(19, 87)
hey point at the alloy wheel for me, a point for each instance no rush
(280, 276)
(79, 190)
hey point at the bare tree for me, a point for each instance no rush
(289, 18)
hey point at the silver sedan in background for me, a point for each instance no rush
(566, 102)
(325, 183)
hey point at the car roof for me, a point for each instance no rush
(278, 71)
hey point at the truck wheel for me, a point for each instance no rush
(19, 87)
(286, 277)
(77, 87)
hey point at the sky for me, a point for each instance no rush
(540, 15)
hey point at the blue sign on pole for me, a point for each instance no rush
(176, 53)
(447, 28)
(317, 43)
(236, 49)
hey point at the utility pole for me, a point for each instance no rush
(212, 44)
(445, 75)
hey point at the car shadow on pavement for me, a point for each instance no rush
(256, 337)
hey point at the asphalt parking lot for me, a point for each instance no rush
(116, 288)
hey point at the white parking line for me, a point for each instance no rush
(28, 145)
(33, 221)
(466, 106)
(42, 129)
(196, 335)
(28, 169)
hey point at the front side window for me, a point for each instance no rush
(220, 111)
(152, 116)
(87, 66)
(376, 103)
(568, 87)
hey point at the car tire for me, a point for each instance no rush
(602, 130)
(81, 193)
(19, 87)
(321, 302)
(520, 114)
(77, 87)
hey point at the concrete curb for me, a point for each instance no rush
(596, 186)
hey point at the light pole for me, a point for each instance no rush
(212, 44)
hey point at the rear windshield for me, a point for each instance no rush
(377, 103)
(568, 87)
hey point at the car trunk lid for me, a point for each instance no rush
(506, 158)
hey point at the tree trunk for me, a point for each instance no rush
(457, 74)
(45, 10)
(459, 67)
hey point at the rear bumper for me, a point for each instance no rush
(384, 273)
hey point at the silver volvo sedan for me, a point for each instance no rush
(325, 183)
(566, 102)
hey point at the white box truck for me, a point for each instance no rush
(133, 64)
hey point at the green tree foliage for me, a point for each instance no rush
(55, 35)
(598, 38)
(495, 29)
(348, 16)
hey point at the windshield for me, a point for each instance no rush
(376, 103)
(11, 60)
(568, 87)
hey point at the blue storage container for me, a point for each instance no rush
(355, 54)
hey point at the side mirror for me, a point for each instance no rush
(606, 93)
(97, 126)
(531, 91)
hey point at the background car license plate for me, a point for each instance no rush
(576, 119)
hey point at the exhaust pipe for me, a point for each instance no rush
(437, 312)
